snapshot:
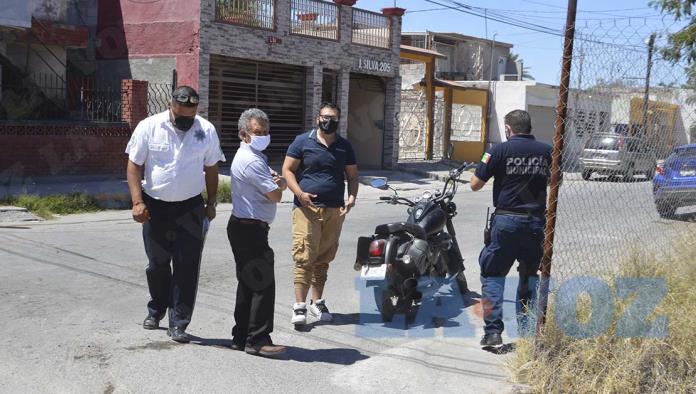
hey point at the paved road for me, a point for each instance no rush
(74, 297)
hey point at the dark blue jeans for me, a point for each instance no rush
(512, 238)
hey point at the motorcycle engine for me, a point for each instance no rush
(415, 259)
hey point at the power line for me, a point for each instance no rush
(427, 10)
(468, 9)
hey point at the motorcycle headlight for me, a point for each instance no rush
(427, 195)
(406, 259)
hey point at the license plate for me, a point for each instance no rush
(376, 272)
(687, 172)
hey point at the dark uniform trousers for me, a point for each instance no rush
(254, 258)
(174, 234)
(513, 237)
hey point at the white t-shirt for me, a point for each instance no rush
(173, 167)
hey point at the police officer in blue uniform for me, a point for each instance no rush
(520, 169)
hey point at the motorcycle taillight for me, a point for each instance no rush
(377, 247)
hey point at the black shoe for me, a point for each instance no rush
(178, 335)
(151, 323)
(492, 339)
(269, 350)
(237, 345)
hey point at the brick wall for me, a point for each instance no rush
(57, 150)
(133, 101)
(50, 149)
(313, 53)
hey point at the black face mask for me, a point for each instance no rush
(184, 123)
(328, 126)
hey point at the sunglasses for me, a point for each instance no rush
(185, 99)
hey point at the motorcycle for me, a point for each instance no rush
(398, 254)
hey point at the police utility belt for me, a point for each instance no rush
(520, 213)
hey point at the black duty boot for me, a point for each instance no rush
(492, 339)
(178, 335)
(151, 323)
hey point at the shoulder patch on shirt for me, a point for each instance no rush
(486, 158)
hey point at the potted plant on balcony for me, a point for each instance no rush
(243, 12)
(307, 16)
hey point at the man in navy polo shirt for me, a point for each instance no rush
(520, 168)
(316, 167)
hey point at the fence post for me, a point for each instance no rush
(133, 101)
(556, 170)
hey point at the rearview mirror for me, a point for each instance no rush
(379, 183)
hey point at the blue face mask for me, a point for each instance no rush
(260, 142)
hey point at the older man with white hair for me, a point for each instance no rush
(256, 189)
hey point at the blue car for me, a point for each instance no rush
(674, 184)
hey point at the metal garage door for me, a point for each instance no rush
(277, 89)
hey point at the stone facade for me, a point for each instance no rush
(315, 54)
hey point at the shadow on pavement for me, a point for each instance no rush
(214, 342)
(337, 356)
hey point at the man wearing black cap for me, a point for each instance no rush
(172, 156)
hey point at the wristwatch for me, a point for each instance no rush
(214, 204)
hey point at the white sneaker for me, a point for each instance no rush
(319, 310)
(299, 313)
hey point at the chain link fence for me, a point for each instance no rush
(629, 178)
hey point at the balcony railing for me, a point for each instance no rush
(314, 18)
(252, 13)
(310, 18)
(370, 28)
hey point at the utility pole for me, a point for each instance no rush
(490, 73)
(646, 96)
(556, 170)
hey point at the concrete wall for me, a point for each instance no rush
(52, 10)
(507, 96)
(40, 61)
(150, 35)
(152, 69)
(686, 117)
(411, 74)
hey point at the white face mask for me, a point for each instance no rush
(260, 142)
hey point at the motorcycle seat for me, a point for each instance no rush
(391, 228)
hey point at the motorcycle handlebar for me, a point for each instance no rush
(463, 166)
(385, 198)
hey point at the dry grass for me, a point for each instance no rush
(556, 363)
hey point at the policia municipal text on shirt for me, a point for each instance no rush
(520, 168)
(168, 155)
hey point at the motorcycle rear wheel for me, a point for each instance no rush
(383, 300)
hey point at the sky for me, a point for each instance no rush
(541, 52)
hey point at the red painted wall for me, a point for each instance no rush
(152, 28)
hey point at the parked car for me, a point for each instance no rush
(674, 184)
(614, 154)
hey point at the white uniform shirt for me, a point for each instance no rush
(174, 166)
(251, 181)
